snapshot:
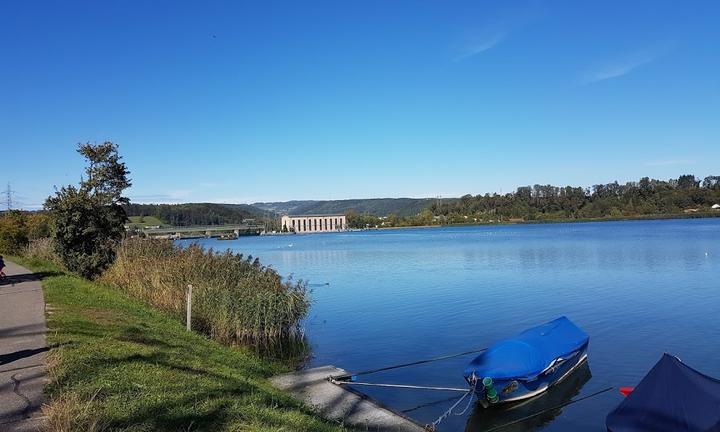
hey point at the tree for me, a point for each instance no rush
(688, 181)
(711, 182)
(89, 219)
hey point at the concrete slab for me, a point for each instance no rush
(338, 403)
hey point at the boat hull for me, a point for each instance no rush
(516, 389)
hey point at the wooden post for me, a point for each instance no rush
(188, 320)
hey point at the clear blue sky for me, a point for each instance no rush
(241, 102)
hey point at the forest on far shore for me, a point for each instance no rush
(646, 197)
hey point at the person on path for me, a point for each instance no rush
(2, 266)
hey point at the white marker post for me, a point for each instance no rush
(188, 320)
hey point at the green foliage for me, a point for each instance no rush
(118, 365)
(19, 228)
(143, 221)
(646, 197)
(235, 299)
(364, 220)
(39, 225)
(13, 232)
(403, 207)
(197, 214)
(42, 249)
(547, 202)
(89, 219)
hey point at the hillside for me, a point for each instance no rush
(375, 206)
(199, 213)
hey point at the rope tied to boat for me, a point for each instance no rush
(352, 377)
(402, 386)
(432, 427)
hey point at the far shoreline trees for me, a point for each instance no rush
(646, 197)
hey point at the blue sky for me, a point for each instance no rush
(242, 102)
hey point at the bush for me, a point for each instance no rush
(39, 226)
(42, 249)
(13, 232)
(235, 299)
(86, 231)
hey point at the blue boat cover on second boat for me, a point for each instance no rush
(530, 352)
(673, 397)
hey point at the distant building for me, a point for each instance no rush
(314, 223)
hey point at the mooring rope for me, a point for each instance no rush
(405, 386)
(434, 359)
(433, 426)
(428, 404)
(570, 402)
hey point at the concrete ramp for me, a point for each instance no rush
(340, 403)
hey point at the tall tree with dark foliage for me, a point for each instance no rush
(89, 219)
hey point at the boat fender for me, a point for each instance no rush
(490, 392)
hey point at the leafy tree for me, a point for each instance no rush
(546, 202)
(89, 219)
(711, 182)
(687, 181)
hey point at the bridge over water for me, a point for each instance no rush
(205, 231)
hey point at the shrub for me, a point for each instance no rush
(235, 299)
(42, 249)
(13, 232)
(39, 225)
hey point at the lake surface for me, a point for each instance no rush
(638, 288)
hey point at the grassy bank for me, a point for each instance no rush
(117, 364)
(235, 298)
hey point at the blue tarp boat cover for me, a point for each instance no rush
(530, 352)
(671, 397)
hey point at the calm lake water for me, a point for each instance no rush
(637, 288)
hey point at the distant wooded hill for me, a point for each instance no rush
(199, 213)
(376, 206)
(218, 214)
(646, 197)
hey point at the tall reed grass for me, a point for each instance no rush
(235, 298)
(42, 249)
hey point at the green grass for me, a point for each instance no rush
(143, 221)
(117, 364)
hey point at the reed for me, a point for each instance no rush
(42, 249)
(236, 300)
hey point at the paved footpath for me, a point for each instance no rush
(22, 350)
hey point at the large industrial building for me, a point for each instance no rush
(314, 223)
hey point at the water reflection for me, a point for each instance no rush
(521, 416)
(291, 350)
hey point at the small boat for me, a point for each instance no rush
(528, 364)
(533, 413)
(672, 397)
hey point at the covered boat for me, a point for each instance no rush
(672, 397)
(529, 363)
(533, 413)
